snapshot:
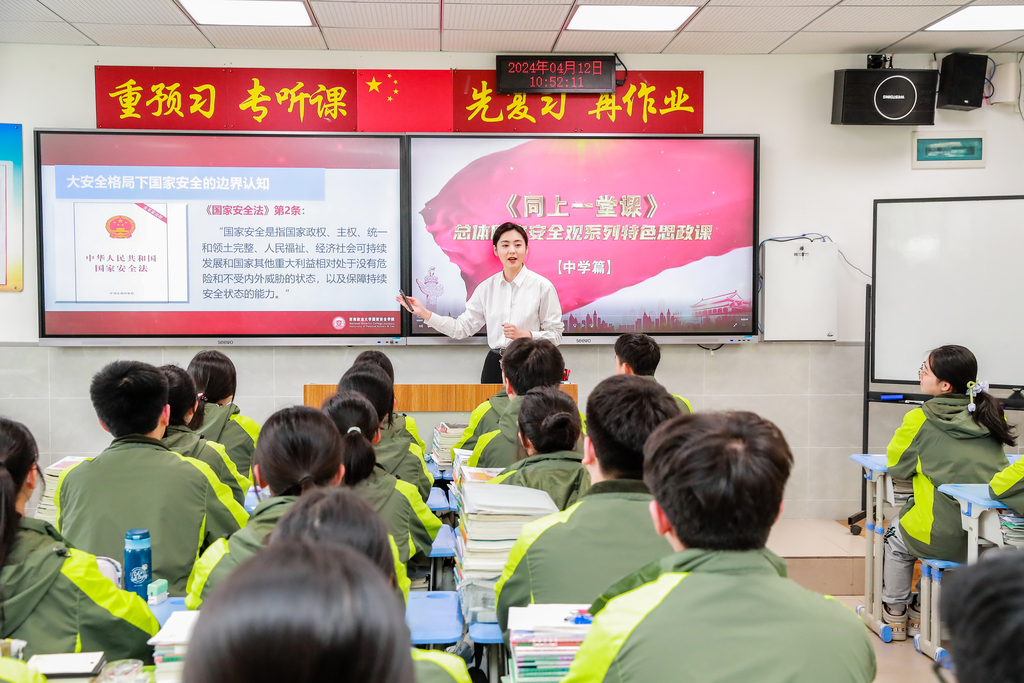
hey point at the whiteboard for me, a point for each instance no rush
(949, 271)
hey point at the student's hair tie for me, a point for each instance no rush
(202, 397)
(973, 389)
(304, 480)
(353, 428)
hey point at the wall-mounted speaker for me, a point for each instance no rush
(962, 81)
(884, 97)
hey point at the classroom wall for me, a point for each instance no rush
(814, 177)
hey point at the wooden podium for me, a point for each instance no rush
(428, 398)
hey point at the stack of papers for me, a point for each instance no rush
(545, 640)
(46, 510)
(446, 435)
(69, 668)
(170, 645)
(902, 490)
(1012, 526)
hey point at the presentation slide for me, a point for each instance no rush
(654, 235)
(214, 235)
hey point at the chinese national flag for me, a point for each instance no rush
(392, 101)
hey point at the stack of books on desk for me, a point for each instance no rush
(544, 640)
(80, 667)
(446, 435)
(46, 510)
(170, 645)
(902, 490)
(1012, 526)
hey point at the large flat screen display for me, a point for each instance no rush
(654, 234)
(190, 235)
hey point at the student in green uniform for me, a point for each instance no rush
(52, 595)
(549, 426)
(572, 556)
(216, 380)
(137, 482)
(638, 354)
(397, 457)
(16, 671)
(411, 523)
(402, 426)
(955, 438)
(719, 609)
(526, 363)
(302, 613)
(299, 450)
(483, 419)
(186, 416)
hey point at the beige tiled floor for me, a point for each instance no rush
(814, 538)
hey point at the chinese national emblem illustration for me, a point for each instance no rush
(431, 288)
(120, 227)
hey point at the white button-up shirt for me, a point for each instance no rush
(529, 302)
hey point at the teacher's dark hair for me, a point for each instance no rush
(529, 363)
(505, 227)
(302, 613)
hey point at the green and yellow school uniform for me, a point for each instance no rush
(572, 556)
(403, 427)
(434, 666)
(404, 513)
(16, 671)
(56, 599)
(1008, 486)
(685, 407)
(137, 482)
(483, 419)
(561, 474)
(405, 461)
(721, 617)
(940, 443)
(501, 447)
(226, 425)
(184, 441)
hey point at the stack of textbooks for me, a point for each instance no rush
(46, 510)
(170, 645)
(1012, 526)
(80, 667)
(446, 435)
(544, 640)
(902, 490)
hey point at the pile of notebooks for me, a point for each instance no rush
(46, 510)
(1012, 526)
(446, 435)
(902, 490)
(544, 640)
(170, 645)
(80, 667)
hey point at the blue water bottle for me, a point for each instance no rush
(138, 562)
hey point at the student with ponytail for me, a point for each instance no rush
(403, 427)
(413, 526)
(549, 426)
(955, 438)
(187, 413)
(53, 596)
(223, 422)
(299, 450)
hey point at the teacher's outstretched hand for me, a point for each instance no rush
(515, 302)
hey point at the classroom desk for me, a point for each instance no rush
(165, 609)
(434, 617)
(979, 515)
(438, 501)
(444, 546)
(436, 473)
(875, 470)
(490, 635)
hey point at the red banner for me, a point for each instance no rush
(655, 102)
(173, 98)
(404, 101)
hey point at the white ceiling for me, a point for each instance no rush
(718, 27)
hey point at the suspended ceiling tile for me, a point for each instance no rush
(1012, 46)
(379, 15)
(754, 18)
(614, 41)
(498, 41)
(995, 2)
(505, 17)
(726, 43)
(25, 10)
(265, 37)
(953, 41)
(390, 40)
(770, 3)
(889, 18)
(134, 35)
(845, 3)
(837, 43)
(118, 11)
(49, 32)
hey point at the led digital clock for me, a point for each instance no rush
(555, 74)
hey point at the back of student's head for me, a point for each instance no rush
(214, 375)
(129, 397)
(372, 382)
(529, 363)
(378, 358)
(299, 449)
(303, 613)
(958, 366)
(337, 515)
(983, 606)
(356, 420)
(622, 411)
(19, 455)
(550, 419)
(719, 478)
(181, 396)
(639, 351)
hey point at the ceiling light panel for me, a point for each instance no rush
(47, 32)
(135, 35)
(984, 18)
(635, 3)
(265, 37)
(25, 10)
(248, 12)
(390, 40)
(498, 41)
(505, 17)
(825, 42)
(614, 41)
(950, 3)
(770, 3)
(725, 43)
(118, 11)
(754, 18)
(629, 18)
(377, 15)
(888, 18)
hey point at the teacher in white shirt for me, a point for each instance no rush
(513, 303)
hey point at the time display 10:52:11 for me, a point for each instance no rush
(556, 81)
